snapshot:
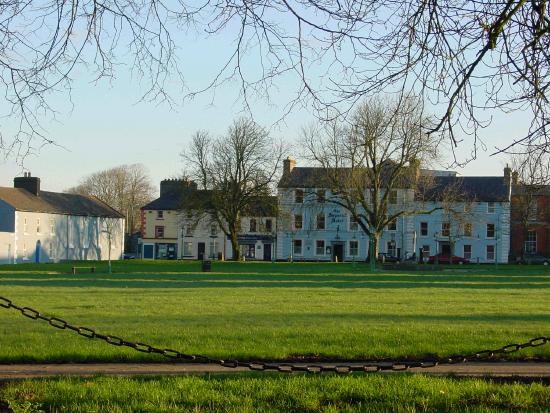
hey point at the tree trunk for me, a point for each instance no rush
(373, 251)
(235, 246)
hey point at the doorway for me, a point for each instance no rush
(444, 248)
(338, 252)
(201, 249)
(267, 252)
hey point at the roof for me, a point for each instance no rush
(531, 190)
(471, 188)
(479, 188)
(185, 199)
(315, 177)
(57, 203)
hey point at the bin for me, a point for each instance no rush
(206, 266)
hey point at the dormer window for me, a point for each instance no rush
(299, 196)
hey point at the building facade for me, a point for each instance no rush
(530, 222)
(179, 225)
(41, 226)
(472, 220)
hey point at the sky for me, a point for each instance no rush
(104, 124)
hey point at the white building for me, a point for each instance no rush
(41, 226)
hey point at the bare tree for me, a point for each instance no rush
(239, 169)
(457, 213)
(125, 188)
(531, 178)
(372, 167)
(466, 57)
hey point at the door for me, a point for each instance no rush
(267, 252)
(445, 248)
(201, 248)
(338, 252)
(37, 252)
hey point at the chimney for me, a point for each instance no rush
(515, 178)
(288, 165)
(27, 182)
(176, 185)
(507, 174)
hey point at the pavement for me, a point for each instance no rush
(27, 371)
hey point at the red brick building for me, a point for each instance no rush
(530, 222)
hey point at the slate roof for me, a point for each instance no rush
(535, 190)
(57, 203)
(478, 188)
(312, 177)
(472, 188)
(201, 199)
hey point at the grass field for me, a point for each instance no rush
(274, 393)
(274, 311)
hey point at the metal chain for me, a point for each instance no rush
(284, 367)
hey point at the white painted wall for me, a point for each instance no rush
(53, 237)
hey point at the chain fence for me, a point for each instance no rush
(284, 367)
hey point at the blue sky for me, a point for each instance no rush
(106, 126)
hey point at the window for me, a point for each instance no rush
(298, 221)
(252, 225)
(299, 196)
(353, 224)
(490, 230)
(297, 247)
(38, 225)
(213, 230)
(160, 214)
(25, 225)
(354, 248)
(530, 245)
(52, 228)
(268, 225)
(392, 226)
(467, 252)
(320, 247)
(425, 251)
(159, 232)
(532, 211)
(213, 249)
(189, 230)
(188, 249)
(393, 197)
(467, 229)
(321, 195)
(250, 251)
(423, 229)
(392, 248)
(468, 207)
(445, 229)
(321, 221)
(490, 252)
(490, 207)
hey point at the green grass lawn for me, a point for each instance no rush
(274, 393)
(274, 311)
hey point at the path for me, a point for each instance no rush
(23, 371)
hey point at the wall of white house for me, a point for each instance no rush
(487, 240)
(43, 237)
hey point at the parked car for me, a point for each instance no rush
(128, 256)
(534, 259)
(447, 259)
(385, 257)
